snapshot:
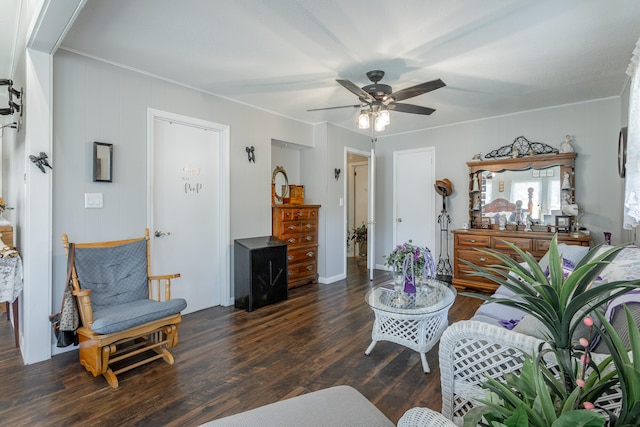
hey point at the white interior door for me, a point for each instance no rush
(414, 197)
(186, 192)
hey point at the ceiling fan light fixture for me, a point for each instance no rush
(378, 124)
(363, 120)
(383, 117)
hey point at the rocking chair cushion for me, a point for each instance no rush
(119, 317)
(115, 275)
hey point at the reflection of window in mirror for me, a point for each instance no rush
(102, 161)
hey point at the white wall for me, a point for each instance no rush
(317, 172)
(95, 101)
(594, 126)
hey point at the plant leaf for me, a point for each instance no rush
(580, 418)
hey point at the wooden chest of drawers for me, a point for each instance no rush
(298, 226)
(467, 242)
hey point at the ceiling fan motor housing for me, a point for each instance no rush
(377, 90)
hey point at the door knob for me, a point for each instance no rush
(399, 219)
(159, 233)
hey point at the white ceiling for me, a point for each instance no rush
(496, 56)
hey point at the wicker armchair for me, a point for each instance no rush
(423, 417)
(470, 349)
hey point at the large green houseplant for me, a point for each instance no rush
(562, 396)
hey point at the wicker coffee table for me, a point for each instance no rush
(415, 320)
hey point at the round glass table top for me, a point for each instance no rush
(429, 298)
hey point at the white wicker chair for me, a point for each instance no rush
(424, 417)
(470, 349)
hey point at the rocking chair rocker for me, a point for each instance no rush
(126, 322)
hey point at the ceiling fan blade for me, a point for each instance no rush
(357, 91)
(416, 90)
(410, 108)
(335, 108)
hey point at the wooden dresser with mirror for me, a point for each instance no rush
(514, 189)
(297, 224)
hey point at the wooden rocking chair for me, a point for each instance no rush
(127, 316)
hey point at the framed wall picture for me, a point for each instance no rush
(102, 162)
(563, 223)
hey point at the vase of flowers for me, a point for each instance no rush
(412, 262)
(3, 206)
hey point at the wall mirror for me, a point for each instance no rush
(102, 162)
(536, 187)
(279, 185)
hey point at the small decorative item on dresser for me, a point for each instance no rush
(296, 193)
(563, 223)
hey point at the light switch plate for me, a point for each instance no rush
(93, 200)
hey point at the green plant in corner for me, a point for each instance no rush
(540, 396)
(357, 235)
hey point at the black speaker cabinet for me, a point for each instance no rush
(260, 272)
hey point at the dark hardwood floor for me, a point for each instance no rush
(229, 361)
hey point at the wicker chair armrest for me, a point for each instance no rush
(156, 286)
(84, 306)
(418, 417)
(471, 350)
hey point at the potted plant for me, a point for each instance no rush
(564, 395)
(358, 235)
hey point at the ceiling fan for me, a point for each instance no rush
(377, 99)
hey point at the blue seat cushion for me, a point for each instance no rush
(115, 275)
(119, 317)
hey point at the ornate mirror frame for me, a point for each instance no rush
(279, 194)
(566, 162)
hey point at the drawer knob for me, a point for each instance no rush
(292, 227)
(310, 267)
(483, 259)
(289, 272)
(310, 254)
(299, 214)
(308, 226)
(308, 238)
(472, 240)
(291, 240)
(290, 258)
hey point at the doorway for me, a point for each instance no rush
(357, 213)
(188, 207)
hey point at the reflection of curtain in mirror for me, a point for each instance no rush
(632, 180)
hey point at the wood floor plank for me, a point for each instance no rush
(229, 360)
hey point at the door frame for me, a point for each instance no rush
(345, 219)
(223, 276)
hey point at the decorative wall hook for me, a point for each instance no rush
(13, 125)
(41, 161)
(336, 171)
(14, 107)
(251, 154)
